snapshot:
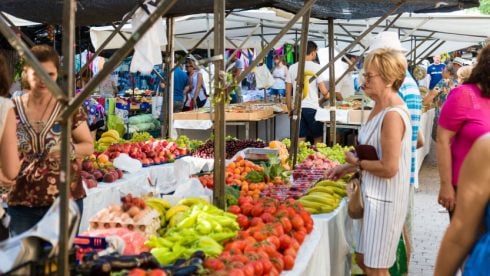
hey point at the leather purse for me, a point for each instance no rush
(355, 206)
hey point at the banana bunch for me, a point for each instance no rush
(108, 138)
(162, 206)
(191, 201)
(324, 197)
(306, 84)
(176, 214)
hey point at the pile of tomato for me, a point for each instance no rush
(271, 234)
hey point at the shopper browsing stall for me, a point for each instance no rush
(39, 136)
(309, 104)
(180, 82)
(435, 71)
(464, 117)
(196, 96)
(385, 188)
(279, 72)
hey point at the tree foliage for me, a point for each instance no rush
(485, 6)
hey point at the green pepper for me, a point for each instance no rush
(203, 226)
(188, 221)
(220, 237)
(164, 256)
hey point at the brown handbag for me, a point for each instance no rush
(355, 206)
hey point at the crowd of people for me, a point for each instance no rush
(460, 94)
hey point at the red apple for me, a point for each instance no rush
(91, 183)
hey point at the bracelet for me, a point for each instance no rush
(359, 164)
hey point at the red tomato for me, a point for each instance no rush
(274, 241)
(214, 264)
(260, 236)
(258, 267)
(299, 236)
(285, 242)
(270, 209)
(288, 262)
(248, 270)
(278, 229)
(266, 263)
(244, 199)
(297, 222)
(286, 223)
(256, 221)
(291, 251)
(295, 244)
(234, 209)
(243, 221)
(267, 217)
(236, 272)
(278, 263)
(257, 210)
(247, 209)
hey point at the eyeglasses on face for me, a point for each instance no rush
(368, 77)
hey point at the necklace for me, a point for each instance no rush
(39, 125)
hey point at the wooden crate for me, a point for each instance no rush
(191, 115)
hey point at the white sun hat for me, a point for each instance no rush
(386, 40)
(461, 61)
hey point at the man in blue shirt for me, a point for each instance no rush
(180, 81)
(435, 71)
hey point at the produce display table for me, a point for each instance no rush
(163, 177)
(200, 122)
(326, 250)
(426, 124)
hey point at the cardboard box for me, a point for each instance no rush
(229, 116)
(357, 116)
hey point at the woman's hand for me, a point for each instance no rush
(447, 197)
(337, 172)
(351, 158)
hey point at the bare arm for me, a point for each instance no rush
(446, 191)
(9, 155)
(391, 135)
(198, 87)
(323, 89)
(472, 200)
(429, 98)
(84, 145)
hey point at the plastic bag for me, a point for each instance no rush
(126, 163)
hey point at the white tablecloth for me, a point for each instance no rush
(326, 250)
(166, 177)
(426, 123)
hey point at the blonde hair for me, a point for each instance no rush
(464, 73)
(391, 64)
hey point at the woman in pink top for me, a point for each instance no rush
(464, 117)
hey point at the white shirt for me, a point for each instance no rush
(311, 100)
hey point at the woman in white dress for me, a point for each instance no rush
(9, 156)
(385, 182)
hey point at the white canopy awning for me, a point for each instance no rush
(458, 30)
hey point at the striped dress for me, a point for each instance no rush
(385, 199)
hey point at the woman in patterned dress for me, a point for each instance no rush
(39, 135)
(386, 181)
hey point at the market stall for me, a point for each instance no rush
(193, 224)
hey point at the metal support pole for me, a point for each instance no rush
(168, 97)
(331, 89)
(219, 106)
(351, 35)
(413, 51)
(30, 59)
(298, 95)
(114, 61)
(68, 31)
(241, 44)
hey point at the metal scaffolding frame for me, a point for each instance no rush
(65, 93)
